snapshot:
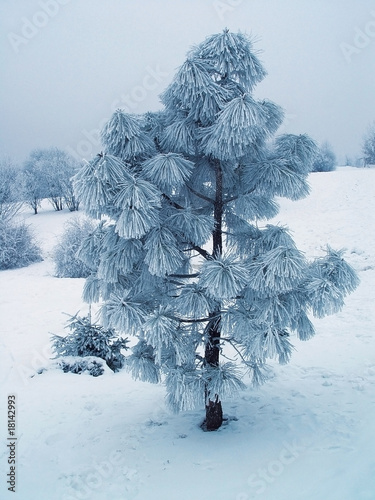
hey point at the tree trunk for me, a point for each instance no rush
(214, 411)
(214, 415)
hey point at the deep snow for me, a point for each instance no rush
(308, 434)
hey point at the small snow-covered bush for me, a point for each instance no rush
(86, 339)
(325, 159)
(368, 147)
(10, 191)
(17, 246)
(79, 365)
(67, 264)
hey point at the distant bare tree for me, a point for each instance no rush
(34, 181)
(325, 160)
(368, 147)
(10, 201)
(47, 174)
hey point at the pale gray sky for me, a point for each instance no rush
(67, 64)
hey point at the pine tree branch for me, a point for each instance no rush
(233, 198)
(173, 203)
(202, 252)
(199, 320)
(198, 249)
(227, 357)
(194, 275)
(230, 341)
(200, 195)
(189, 250)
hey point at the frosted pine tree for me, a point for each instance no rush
(184, 259)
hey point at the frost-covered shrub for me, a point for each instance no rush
(17, 246)
(78, 365)
(368, 147)
(10, 196)
(325, 160)
(67, 264)
(47, 174)
(86, 339)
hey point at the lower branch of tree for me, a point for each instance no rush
(200, 195)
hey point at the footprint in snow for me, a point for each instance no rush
(91, 406)
(297, 394)
(129, 473)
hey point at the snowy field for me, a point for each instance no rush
(308, 434)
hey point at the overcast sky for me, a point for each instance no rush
(68, 64)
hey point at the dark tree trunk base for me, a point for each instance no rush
(214, 416)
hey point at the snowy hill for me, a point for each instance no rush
(308, 434)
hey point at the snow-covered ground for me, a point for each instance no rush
(308, 434)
